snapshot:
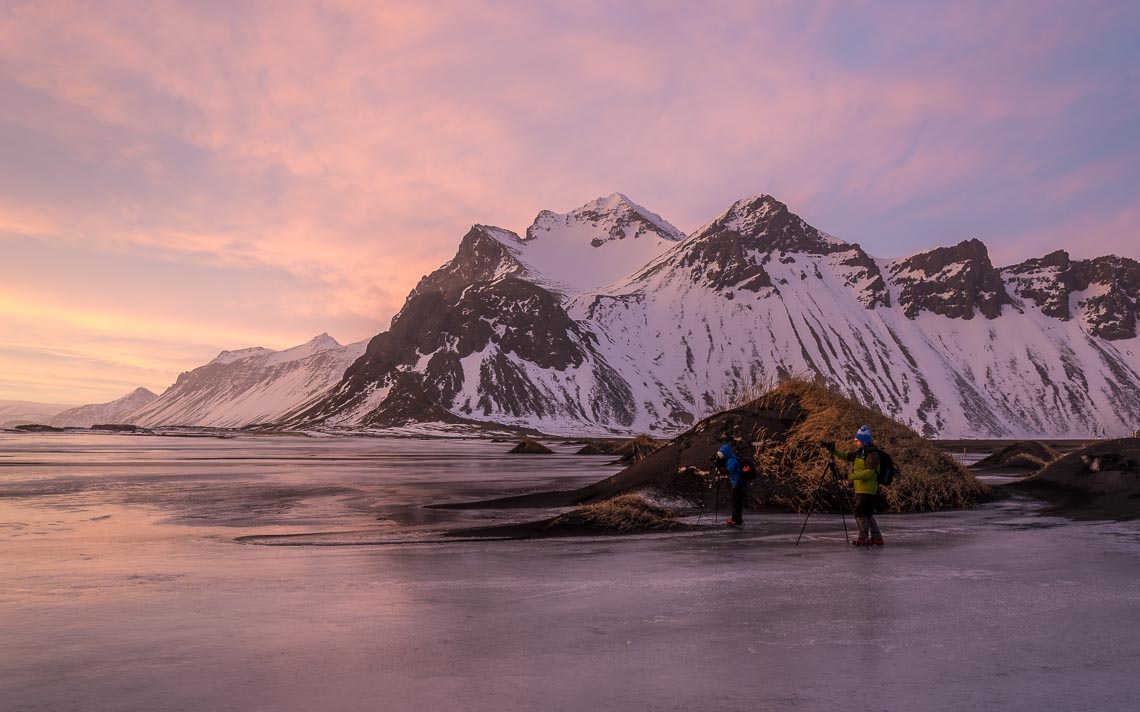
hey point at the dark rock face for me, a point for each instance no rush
(955, 282)
(1111, 308)
(730, 252)
(480, 258)
(468, 307)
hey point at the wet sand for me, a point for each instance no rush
(123, 588)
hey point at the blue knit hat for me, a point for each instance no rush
(864, 435)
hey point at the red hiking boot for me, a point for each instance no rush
(732, 522)
(877, 541)
(861, 542)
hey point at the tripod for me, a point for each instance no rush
(833, 471)
(716, 513)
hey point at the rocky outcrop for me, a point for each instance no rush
(731, 252)
(502, 349)
(1104, 293)
(955, 282)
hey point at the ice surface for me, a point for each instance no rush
(122, 589)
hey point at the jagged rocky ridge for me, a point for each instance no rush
(604, 319)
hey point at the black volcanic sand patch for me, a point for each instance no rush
(1026, 455)
(37, 428)
(781, 432)
(1101, 481)
(627, 514)
(530, 447)
(627, 451)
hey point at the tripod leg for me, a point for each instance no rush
(815, 496)
(839, 493)
(716, 511)
(705, 504)
(805, 520)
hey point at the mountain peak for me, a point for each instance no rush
(606, 219)
(765, 224)
(323, 341)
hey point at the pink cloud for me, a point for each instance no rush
(351, 144)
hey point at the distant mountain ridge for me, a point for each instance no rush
(607, 318)
(120, 411)
(250, 386)
(16, 412)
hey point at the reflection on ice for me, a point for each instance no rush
(123, 589)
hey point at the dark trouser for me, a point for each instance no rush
(865, 515)
(738, 496)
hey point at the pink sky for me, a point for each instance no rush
(182, 178)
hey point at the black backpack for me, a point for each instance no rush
(887, 469)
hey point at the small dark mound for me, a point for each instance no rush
(36, 428)
(598, 448)
(627, 514)
(621, 515)
(530, 447)
(636, 450)
(1027, 455)
(1101, 481)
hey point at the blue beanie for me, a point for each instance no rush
(864, 435)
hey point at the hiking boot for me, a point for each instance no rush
(860, 542)
(732, 522)
(877, 541)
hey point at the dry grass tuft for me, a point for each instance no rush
(621, 515)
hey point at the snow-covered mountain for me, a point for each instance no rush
(121, 410)
(602, 318)
(14, 412)
(251, 386)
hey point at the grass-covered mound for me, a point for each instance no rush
(791, 462)
(781, 430)
(625, 514)
(1101, 481)
(1028, 455)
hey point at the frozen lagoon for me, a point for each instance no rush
(122, 588)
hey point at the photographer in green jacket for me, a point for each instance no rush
(865, 477)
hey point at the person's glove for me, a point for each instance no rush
(827, 444)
